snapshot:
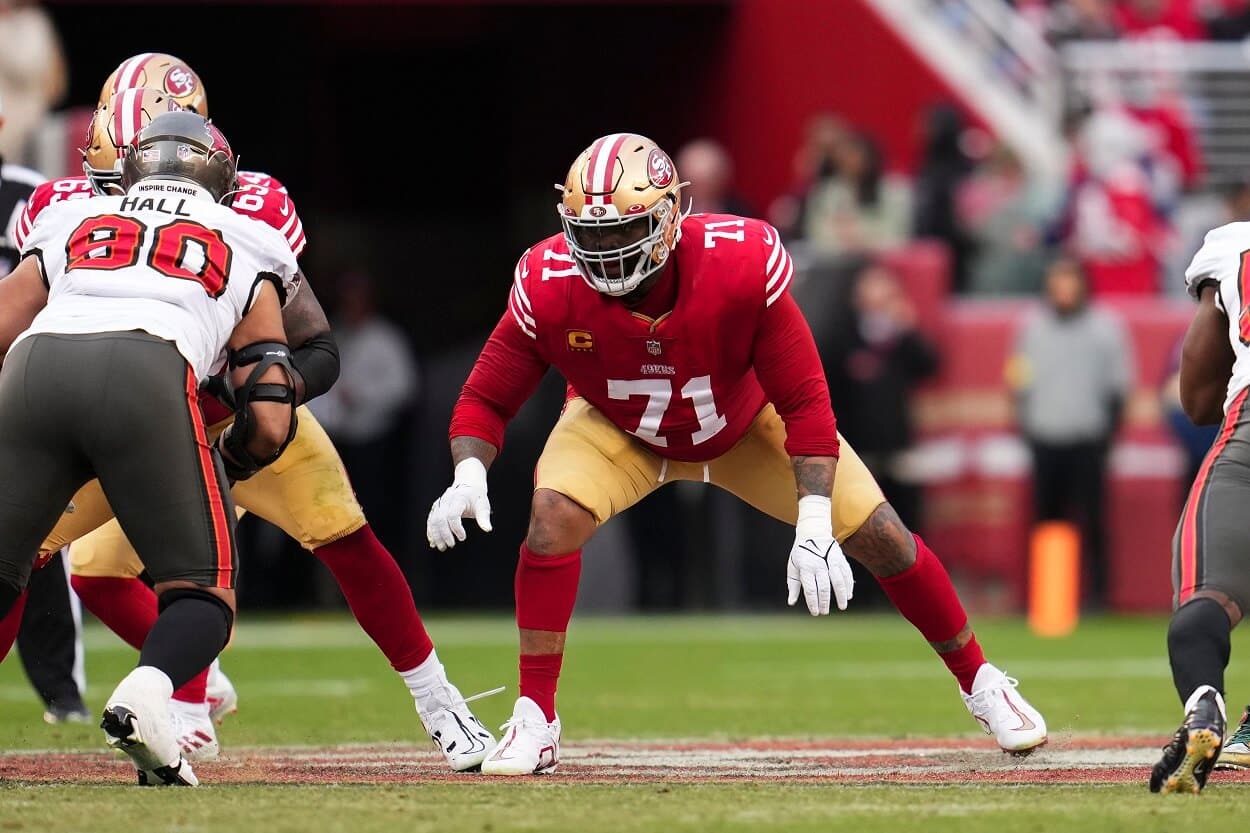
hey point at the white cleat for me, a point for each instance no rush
(453, 727)
(193, 728)
(223, 700)
(529, 746)
(136, 720)
(1002, 712)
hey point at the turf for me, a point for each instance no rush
(556, 808)
(318, 681)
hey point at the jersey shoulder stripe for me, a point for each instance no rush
(540, 284)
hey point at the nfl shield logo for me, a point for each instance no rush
(653, 346)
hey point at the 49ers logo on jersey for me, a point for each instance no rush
(660, 169)
(179, 82)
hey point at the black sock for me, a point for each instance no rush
(1198, 646)
(188, 635)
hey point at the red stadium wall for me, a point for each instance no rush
(784, 60)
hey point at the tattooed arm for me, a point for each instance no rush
(462, 448)
(814, 475)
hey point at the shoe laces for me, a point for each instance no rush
(523, 723)
(458, 700)
(1242, 735)
(982, 697)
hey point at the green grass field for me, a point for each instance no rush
(318, 682)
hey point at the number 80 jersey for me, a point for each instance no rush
(162, 261)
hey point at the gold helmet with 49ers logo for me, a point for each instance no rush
(621, 211)
(158, 71)
(113, 128)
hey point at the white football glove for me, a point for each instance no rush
(464, 498)
(817, 566)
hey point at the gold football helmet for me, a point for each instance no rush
(158, 71)
(621, 211)
(112, 129)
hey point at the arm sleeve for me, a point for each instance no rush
(317, 361)
(505, 375)
(790, 372)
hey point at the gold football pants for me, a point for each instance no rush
(606, 471)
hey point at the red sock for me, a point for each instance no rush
(546, 590)
(377, 592)
(11, 624)
(129, 609)
(923, 593)
(126, 606)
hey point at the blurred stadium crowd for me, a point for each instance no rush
(954, 302)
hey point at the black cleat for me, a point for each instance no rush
(1190, 756)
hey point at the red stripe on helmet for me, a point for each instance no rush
(129, 69)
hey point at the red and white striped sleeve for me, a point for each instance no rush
(518, 301)
(265, 198)
(44, 195)
(779, 268)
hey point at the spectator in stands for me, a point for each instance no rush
(1004, 212)
(1081, 20)
(815, 163)
(1071, 372)
(943, 169)
(1159, 19)
(861, 208)
(1112, 225)
(873, 367)
(363, 412)
(706, 164)
(32, 73)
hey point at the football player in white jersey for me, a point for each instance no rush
(1211, 548)
(118, 311)
(309, 496)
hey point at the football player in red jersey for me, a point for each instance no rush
(686, 359)
(306, 492)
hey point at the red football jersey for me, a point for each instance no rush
(689, 383)
(260, 196)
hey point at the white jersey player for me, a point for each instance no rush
(161, 259)
(121, 306)
(1224, 260)
(1211, 547)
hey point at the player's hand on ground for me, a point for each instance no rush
(464, 498)
(819, 570)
